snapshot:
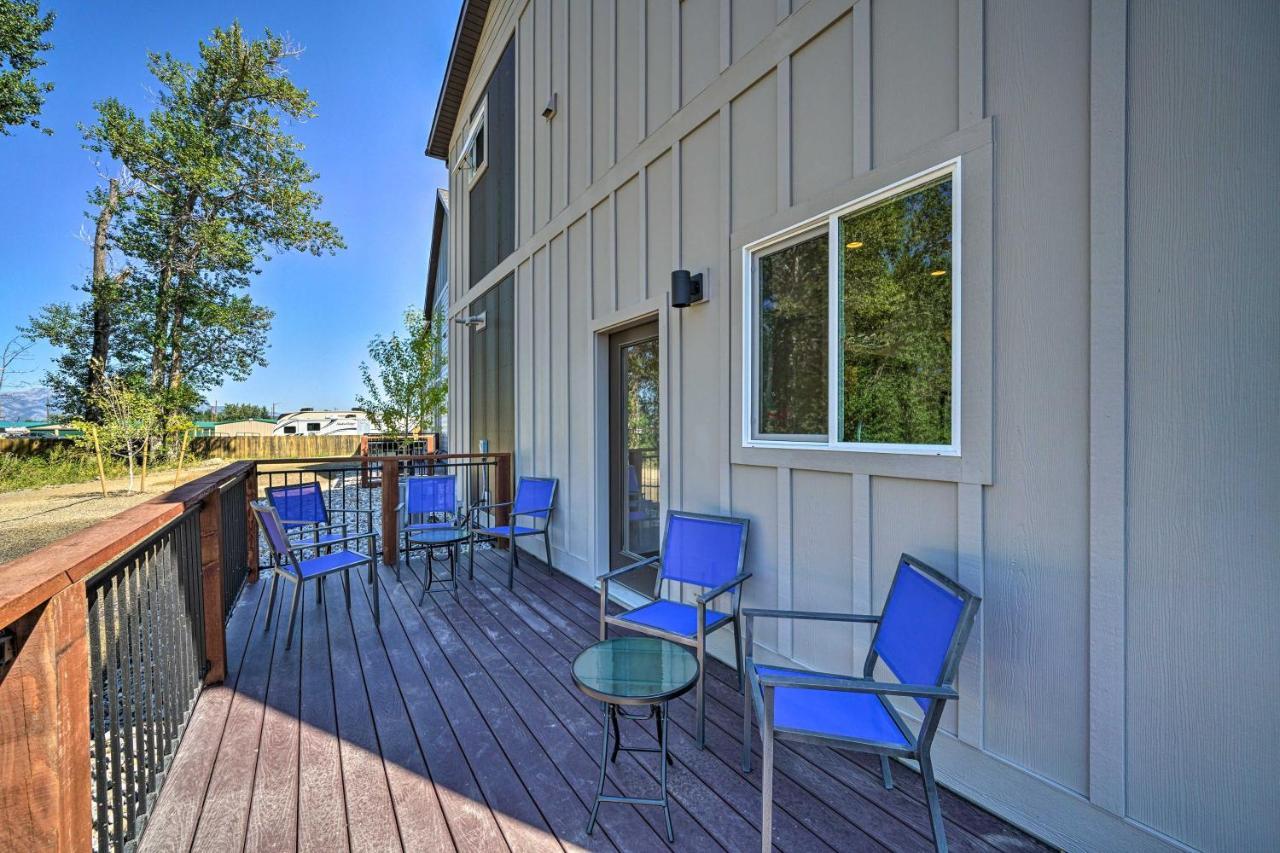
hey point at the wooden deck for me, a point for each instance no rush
(457, 726)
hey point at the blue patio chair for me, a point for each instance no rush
(920, 635)
(427, 503)
(302, 510)
(288, 562)
(535, 500)
(706, 551)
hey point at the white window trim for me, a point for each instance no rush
(478, 121)
(831, 219)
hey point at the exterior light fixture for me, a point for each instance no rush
(937, 273)
(854, 244)
(686, 288)
(549, 111)
(472, 321)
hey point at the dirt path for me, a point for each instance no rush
(31, 518)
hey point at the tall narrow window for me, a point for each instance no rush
(854, 338)
(792, 322)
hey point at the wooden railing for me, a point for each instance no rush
(107, 637)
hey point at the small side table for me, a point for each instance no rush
(634, 671)
(439, 537)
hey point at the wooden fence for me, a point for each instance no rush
(107, 637)
(223, 446)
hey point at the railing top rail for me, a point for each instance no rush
(32, 579)
(379, 458)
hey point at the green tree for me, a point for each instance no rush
(130, 418)
(241, 412)
(411, 388)
(22, 31)
(222, 186)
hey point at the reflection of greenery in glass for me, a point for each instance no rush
(793, 340)
(641, 368)
(896, 319)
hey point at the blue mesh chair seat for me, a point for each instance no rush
(507, 530)
(813, 710)
(674, 617)
(705, 551)
(331, 561)
(289, 563)
(919, 637)
(535, 500)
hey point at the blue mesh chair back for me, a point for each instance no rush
(703, 551)
(277, 538)
(302, 503)
(918, 628)
(431, 495)
(535, 497)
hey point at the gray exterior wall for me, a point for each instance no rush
(1117, 496)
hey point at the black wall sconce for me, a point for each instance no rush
(686, 288)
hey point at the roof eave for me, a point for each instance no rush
(465, 38)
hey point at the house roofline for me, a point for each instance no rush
(466, 37)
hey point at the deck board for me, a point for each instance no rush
(456, 724)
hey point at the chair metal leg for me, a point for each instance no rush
(346, 588)
(885, 773)
(737, 649)
(546, 543)
(293, 611)
(471, 558)
(511, 563)
(766, 792)
(373, 582)
(701, 695)
(319, 593)
(935, 807)
(271, 602)
(746, 731)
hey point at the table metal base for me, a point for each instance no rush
(611, 729)
(451, 579)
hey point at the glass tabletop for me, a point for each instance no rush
(439, 535)
(635, 670)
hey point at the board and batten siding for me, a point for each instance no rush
(1117, 499)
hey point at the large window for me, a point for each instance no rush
(853, 326)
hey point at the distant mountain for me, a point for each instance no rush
(25, 405)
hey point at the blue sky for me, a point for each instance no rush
(374, 70)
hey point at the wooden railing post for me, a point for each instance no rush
(251, 522)
(390, 521)
(45, 798)
(502, 488)
(215, 635)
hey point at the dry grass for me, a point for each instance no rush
(32, 518)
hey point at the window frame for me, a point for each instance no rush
(828, 222)
(479, 121)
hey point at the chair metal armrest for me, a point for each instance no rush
(484, 507)
(607, 576)
(307, 546)
(809, 614)
(849, 684)
(712, 594)
(314, 528)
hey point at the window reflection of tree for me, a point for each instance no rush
(793, 339)
(896, 319)
(640, 369)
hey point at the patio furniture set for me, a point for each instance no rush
(918, 636)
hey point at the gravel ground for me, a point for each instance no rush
(32, 518)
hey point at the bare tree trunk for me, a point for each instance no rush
(103, 297)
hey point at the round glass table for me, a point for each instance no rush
(629, 672)
(432, 538)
